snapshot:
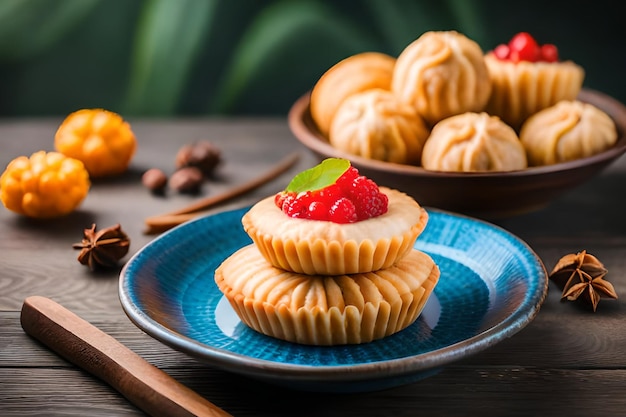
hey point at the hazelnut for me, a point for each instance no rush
(187, 180)
(202, 154)
(154, 179)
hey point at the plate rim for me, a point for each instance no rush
(264, 369)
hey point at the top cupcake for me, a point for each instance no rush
(330, 220)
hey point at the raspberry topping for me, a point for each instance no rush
(523, 47)
(351, 198)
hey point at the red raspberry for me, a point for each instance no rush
(353, 197)
(343, 211)
(363, 186)
(379, 205)
(367, 198)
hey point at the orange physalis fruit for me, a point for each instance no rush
(48, 184)
(101, 139)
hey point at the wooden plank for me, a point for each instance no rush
(144, 385)
(55, 272)
(15, 343)
(454, 392)
(567, 361)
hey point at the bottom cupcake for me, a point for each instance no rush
(326, 310)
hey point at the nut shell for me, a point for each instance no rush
(186, 180)
(154, 179)
(203, 155)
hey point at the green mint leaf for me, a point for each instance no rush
(320, 176)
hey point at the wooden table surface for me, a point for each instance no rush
(568, 361)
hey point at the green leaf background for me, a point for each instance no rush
(255, 57)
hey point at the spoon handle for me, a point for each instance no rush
(81, 343)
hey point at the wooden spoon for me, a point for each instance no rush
(81, 343)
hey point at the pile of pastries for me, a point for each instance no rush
(324, 283)
(446, 105)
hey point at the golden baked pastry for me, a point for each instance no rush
(473, 142)
(328, 248)
(326, 310)
(527, 77)
(442, 74)
(354, 74)
(566, 131)
(524, 88)
(374, 124)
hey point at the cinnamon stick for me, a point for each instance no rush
(163, 222)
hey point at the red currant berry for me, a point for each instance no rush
(295, 208)
(523, 47)
(346, 179)
(330, 194)
(306, 197)
(279, 198)
(318, 211)
(549, 53)
(286, 201)
(501, 51)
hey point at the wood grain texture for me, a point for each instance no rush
(456, 391)
(86, 346)
(568, 361)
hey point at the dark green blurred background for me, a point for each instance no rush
(255, 57)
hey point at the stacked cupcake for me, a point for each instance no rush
(331, 265)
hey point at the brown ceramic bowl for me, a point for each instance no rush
(481, 194)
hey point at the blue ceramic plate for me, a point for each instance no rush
(492, 285)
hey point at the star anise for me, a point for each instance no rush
(581, 277)
(102, 248)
